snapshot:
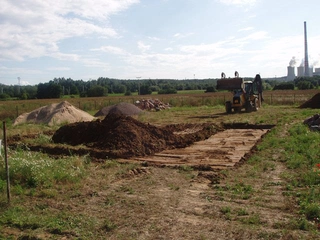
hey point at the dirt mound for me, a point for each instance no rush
(127, 109)
(54, 114)
(123, 136)
(313, 122)
(314, 102)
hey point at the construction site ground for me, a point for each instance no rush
(193, 180)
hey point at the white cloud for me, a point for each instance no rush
(94, 62)
(24, 83)
(58, 68)
(257, 36)
(245, 29)
(143, 47)
(154, 38)
(248, 54)
(110, 49)
(180, 35)
(35, 28)
(238, 2)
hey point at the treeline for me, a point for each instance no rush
(58, 87)
(301, 83)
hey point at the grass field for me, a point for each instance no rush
(9, 110)
(275, 194)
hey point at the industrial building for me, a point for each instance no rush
(304, 70)
(301, 72)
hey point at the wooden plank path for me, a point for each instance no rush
(223, 150)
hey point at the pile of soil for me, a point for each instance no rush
(54, 114)
(313, 122)
(122, 136)
(127, 109)
(314, 102)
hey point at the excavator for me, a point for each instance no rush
(246, 94)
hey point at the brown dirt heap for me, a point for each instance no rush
(54, 114)
(313, 122)
(122, 108)
(123, 136)
(314, 102)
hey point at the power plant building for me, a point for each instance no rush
(302, 73)
(304, 70)
(291, 74)
(316, 72)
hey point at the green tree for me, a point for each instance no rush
(97, 91)
(211, 89)
(49, 90)
(284, 86)
(303, 85)
(167, 89)
(145, 89)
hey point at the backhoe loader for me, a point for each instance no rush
(246, 94)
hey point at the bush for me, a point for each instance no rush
(4, 96)
(312, 211)
(97, 91)
(210, 89)
(303, 85)
(145, 90)
(128, 93)
(284, 86)
(167, 91)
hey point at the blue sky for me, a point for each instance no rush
(176, 39)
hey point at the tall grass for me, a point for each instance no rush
(31, 169)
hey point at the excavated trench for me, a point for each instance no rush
(225, 149)
(205, 146)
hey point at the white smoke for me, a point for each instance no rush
(292, 62)
(302, 62)
(316, 63)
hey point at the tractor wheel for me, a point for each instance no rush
(237, 109)
(248, 107)
(228, 107)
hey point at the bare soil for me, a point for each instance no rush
(121, 136)
(120, 108)
(313, 102)
(205, 145)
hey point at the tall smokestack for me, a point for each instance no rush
(306, 60)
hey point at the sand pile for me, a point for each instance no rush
(54, 114)
(122, 136)
(314, 102)
(127, 109)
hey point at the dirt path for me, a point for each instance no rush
(168, 203)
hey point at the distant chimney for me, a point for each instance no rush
(306, 60)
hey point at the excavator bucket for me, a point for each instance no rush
(229, 83)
